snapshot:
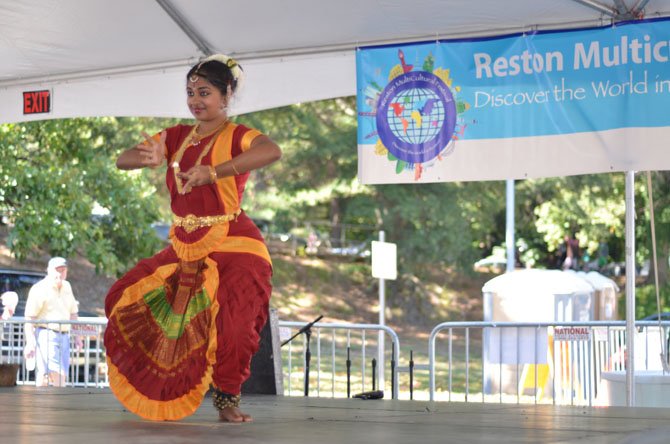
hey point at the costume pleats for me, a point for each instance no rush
(176, 327)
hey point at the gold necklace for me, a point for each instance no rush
(185, 144)
(197, 138)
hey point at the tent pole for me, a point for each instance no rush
(630, 288)
(186, 27)
(382, 321)
(509, 231)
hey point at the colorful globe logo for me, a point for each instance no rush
(416, 116)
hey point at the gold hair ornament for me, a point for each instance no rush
(231, 63)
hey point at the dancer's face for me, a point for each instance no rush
(204, 100)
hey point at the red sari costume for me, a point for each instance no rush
(191, 315)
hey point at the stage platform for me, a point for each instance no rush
(78, 415)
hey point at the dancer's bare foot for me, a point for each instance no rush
(234, 414)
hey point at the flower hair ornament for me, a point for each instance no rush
(235, 68)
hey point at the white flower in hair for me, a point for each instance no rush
(231, 63)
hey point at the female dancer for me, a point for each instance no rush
(190, 316)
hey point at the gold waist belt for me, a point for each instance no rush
(192, 222)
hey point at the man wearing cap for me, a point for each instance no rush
(50, 299)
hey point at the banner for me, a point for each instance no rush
(513, 107)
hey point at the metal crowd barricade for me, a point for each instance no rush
(88, 366)
(346, 342)
(557, 362)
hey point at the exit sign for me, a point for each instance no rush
(37, 102)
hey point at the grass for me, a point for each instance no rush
(459, 370)
(305, 288)
(328, 366)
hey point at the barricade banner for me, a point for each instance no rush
(572, 333)
(85, 330)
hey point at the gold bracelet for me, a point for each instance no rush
(212, 174)
(237, 173)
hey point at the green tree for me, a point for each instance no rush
(592, 206)
(316, 179)
(646, 303)
(316, 175)
(55, 173)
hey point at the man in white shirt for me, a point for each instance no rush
(50, 299)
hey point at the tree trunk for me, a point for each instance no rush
(335, 219)
(663, 251)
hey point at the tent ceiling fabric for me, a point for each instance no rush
(129, 57)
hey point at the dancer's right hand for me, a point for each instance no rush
(152, 151)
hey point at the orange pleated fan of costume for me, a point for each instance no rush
(159, 349)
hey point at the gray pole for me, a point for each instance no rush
(382, 321)
(630, 288)
(509, 231)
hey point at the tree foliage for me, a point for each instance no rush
(55, 173)
(316, 180)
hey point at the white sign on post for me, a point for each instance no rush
(384, 263)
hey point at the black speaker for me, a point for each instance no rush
(266, 370)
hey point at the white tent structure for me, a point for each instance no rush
(531, 295)
(538, 296)
(129, 57)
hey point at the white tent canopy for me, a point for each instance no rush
(129, 57)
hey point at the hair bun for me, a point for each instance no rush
(231, 63)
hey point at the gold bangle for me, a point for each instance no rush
(237, 173)
(212, 174)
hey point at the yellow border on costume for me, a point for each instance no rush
(249, 137)
(241, 244)
(212, 286)
(147, 408)
(137, 291)
(226, 187)
(201, 248)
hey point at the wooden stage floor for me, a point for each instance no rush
(78, 415)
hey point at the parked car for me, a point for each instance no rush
(162, 231)
(19, 281)
(357, 251)
(491, 264)
(277, 241)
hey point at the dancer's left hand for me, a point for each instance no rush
(195, 177)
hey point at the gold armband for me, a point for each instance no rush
(237, 173)
(212, 174)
